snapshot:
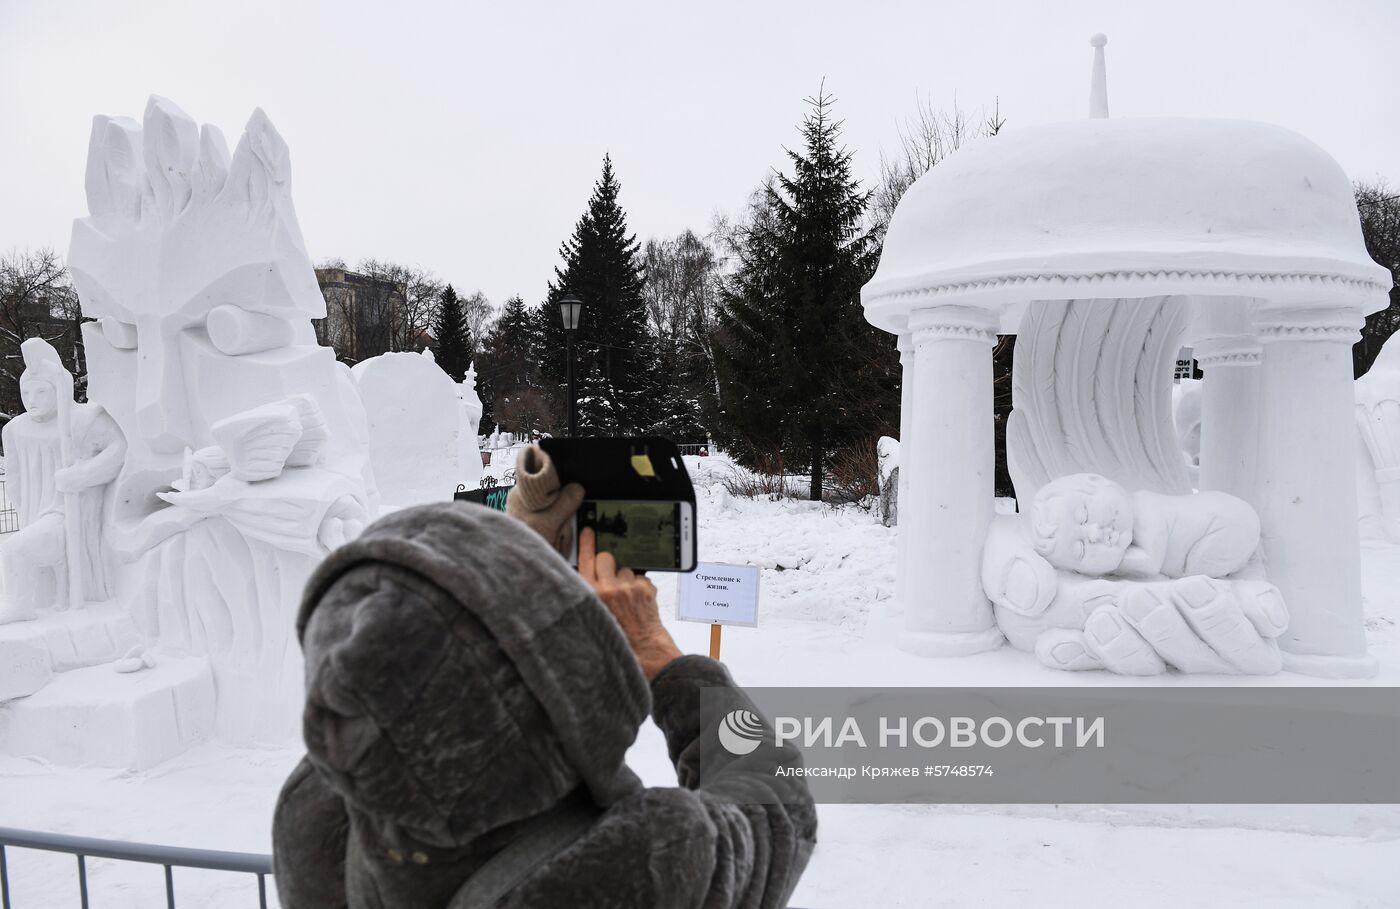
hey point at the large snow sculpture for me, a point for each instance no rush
(244, 463)
(414, 423)
(62, 458)
(1105, 245)
(1378, 423)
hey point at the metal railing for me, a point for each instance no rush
(9, 518)
(170, 857)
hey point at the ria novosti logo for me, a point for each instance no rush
(740, 732)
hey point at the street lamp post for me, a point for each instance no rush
(570, 309)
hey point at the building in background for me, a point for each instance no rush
(365, 316)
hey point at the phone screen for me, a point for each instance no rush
(640, 535)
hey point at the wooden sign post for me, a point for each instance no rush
(719, 595)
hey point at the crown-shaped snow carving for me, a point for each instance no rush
(177, 226)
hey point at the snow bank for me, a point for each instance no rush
(414, 422)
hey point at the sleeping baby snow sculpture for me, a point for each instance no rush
(1094, 577)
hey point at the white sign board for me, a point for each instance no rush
(719, 594)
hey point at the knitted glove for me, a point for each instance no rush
(538, 500)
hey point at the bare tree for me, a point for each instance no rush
(1379, 207)
(925, 139)
(679, 291)
(681, 296)
(479, 314)
(37, 300)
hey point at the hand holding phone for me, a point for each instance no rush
(640, 502)
(632, 601)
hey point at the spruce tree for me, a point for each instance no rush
(453, 347)
(602, 266)
(803, 373)
(508, 361)
(597, 414)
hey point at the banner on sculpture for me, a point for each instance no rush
(1063, 745)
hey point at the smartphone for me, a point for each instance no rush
(643, 536)
(639, 499)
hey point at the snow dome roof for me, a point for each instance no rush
(1126, 207)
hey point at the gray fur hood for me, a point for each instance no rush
(446, 697)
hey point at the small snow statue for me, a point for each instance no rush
(469, 467)
(471, 404)
(62, 459)
(887, 450)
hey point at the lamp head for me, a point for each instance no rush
(570, 311)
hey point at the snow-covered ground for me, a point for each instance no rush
(825, 619)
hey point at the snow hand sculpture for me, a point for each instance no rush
(1096, 578)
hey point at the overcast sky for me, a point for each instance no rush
(465, 137)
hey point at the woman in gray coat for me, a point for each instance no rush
(470, 699)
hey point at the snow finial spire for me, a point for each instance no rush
(1098, 82)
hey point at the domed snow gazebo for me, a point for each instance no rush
(1106, 245)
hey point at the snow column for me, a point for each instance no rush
(950, 464)
(906, 418)
(1307, 487)
(1230, 356)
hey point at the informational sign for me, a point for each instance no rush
(719, 594)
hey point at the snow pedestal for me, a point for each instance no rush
(32, 652)
(949, 463)
(96, 716)
(1307, 487)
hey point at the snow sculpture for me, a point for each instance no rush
(244, 461)
(1086, 526)
(1091, 525)
(1106, 245)
(471, 406)
(414, 417)
(62, 459)
(887, 456)
(1378, 421)
(469, 467)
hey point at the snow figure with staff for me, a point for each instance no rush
(63, 457)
